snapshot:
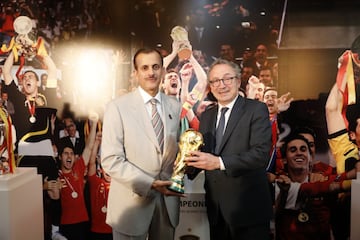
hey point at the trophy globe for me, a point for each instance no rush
(23, 25)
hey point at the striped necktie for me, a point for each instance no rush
(157, 123)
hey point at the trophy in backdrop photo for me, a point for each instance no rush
(181, 35)
(25, 45)
(190, 140)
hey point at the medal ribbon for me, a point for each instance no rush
(102, 200)
(67, 181)
(31, 107)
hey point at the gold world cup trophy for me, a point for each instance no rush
(7, 158)
(180, 34)
(26, 37)
(190, 140)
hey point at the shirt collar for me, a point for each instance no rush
(146, 97)
(230, 105)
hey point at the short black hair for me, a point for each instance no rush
(146, 51)
(270, 89)
(290, 138)
(64, 143)
(305, 130)
(36, 76)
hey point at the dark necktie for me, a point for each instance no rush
(220, 129)
(157, 123)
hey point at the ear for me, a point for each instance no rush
(163, 72)
(352, 136)
(162, 76)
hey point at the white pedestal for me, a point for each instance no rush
(193, 218)
(355, 209)
(21, 205)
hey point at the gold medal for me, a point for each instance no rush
(303, 217)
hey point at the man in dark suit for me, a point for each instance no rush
(74, 136)
(237, 191)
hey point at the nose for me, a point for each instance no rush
(299, 152)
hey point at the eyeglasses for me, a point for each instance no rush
(225, 81)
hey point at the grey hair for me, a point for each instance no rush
(221, 61)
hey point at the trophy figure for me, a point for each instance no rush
(190, 140)
(180, 34)
(26, 37)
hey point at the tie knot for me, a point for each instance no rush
(224, 110)
(153, 101)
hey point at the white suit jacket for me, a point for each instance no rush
(131, 155)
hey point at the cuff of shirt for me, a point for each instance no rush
(222, 166)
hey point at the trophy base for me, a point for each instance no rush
(184, 54)
(177, 186)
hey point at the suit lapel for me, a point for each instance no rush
(142, 117)
(209, 128)
(168, 118)
(234, 118)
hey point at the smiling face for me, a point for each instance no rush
(224, 93)
(29, 83)
(298, 156)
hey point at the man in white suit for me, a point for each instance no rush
(139, 204)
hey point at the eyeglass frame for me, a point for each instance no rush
(226, 81)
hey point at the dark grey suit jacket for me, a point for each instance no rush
(241, 192)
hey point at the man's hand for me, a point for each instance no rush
(202, 160)
(162, 187)
(93, 116)
(283, 182)
(53, 188)
(186, 72)
(284, 102)
(318, 177)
